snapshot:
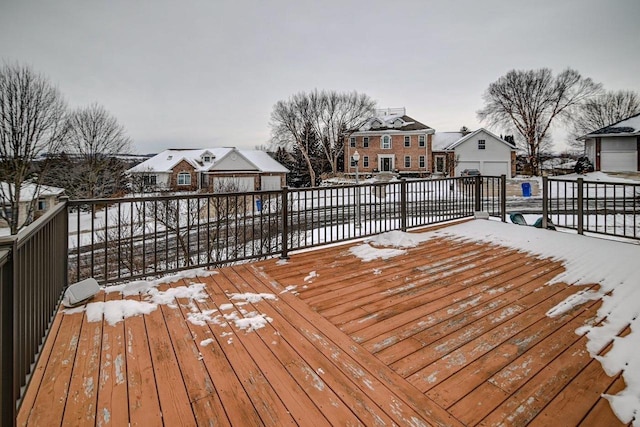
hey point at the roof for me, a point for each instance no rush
(392, 119)
(31, 191)
(168, 159)
(444, 141)
(629, 126)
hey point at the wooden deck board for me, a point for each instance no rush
(451, 333)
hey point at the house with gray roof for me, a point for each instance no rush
(453, 152)
(615, 148)
(221, 169)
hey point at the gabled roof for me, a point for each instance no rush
(392, 119)
(629, 126)
(462, 138)
(30, 191)
(168, 159)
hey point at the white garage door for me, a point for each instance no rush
(619, 161)
(495, 168)
(269, 183)
(466, 165)
(233, 184)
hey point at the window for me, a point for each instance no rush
(365, 161)
(421, 140)
(42, 204)
(407, 141)
(207, 159)
(386, 142)
(352, 141)
(184, 178)
(481, 144)
(149, 180)
(440, 164)
(365, 142)
(407, 161)
(421, 162)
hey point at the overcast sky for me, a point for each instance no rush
(207, 73)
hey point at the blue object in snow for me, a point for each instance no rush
(259, 205)
(526, 189)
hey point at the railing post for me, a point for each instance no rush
(580, 206)
(503, 198)
(477, 206)
(403, 204)
(285, 223)
(545, 201)
(7, 338)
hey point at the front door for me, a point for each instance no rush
(386, 164)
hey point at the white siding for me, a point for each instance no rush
(492, 159)
(612, 161)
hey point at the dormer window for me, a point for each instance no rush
(206, 159)
(376, 123)
(169, 157)
(398, 123)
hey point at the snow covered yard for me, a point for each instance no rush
(493, 323)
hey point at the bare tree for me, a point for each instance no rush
(319, 117)
(335, 116)
(94, 137)
(531, 100)
(32, 112)
(601, 111)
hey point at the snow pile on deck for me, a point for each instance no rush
(587, 260)
(117, 310)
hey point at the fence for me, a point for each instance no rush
(33, 275)
(611, 208)
(121, 239)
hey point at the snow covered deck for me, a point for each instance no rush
(439, 328)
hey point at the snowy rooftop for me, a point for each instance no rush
(30, 191)
(168, 159)
(630, 126)
(442, 140)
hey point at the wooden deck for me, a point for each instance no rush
(449, 334)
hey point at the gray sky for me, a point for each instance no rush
(207, 73)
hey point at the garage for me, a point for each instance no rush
(466, 165)
(495, 168)
(270, 183)
(611, 161)
(233, 184)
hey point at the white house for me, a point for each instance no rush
(454, 152)
(221, 169)
(35, 200)
(615, 147)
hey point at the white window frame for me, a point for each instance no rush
(42, 204)
(422, 162)
(407, 161)
(407, 141)
(422, 140)
(352, 142)
(185, 177)
(482, 144)
(365, 161)
(365, 142)
(385, 142)
(444, 163)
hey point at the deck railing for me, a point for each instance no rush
(121, 239)
(33, 276)
(611, 208)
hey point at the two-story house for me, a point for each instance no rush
(390, 142)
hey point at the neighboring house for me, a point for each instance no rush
(454, 152)
(225, 169)
(615, 147)
(390, 142)
(34, 201)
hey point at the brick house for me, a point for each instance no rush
(390, 142)
(226, 169)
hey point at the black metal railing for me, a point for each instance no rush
(610, 208)
(33, 276)
(121, 239)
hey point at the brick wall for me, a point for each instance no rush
(183, 166)
(398, 150)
